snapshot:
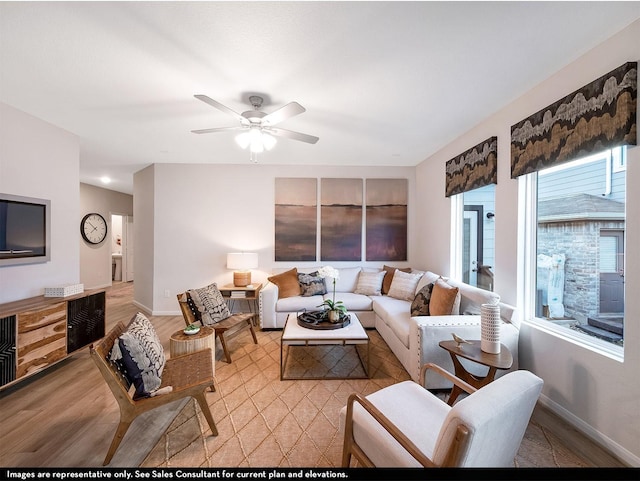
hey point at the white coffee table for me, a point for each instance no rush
(295, 335)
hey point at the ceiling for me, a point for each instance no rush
(384, 83)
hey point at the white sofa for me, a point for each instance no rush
(414, 340)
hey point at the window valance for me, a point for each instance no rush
(474, 168)
(597, 117)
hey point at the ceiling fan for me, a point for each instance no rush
(259, 127)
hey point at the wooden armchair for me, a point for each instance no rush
(188, 375)
(404, 425)
(223, 329)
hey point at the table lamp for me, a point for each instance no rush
(241, 262)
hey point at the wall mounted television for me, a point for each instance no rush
(25, 230)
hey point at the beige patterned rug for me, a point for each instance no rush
(265, 422)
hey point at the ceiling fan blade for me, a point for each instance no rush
(290, 134)
(219, 129)
(286, 112)
(221, 107)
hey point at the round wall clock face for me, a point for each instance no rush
(93, 228)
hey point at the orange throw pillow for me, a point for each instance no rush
(287, 282)
(443, 298)
(388, 277)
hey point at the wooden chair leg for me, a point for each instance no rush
(204, 407)
(121, 430)
(224, 347)
(253, 332)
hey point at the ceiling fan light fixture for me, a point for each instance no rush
(268, 140)
(243, 139)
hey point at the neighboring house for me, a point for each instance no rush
(581, 218)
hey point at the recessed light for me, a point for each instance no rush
(105, 180)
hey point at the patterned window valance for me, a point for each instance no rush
(474, 168)
(599, 116)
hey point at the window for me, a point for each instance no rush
(474, 245)
(576, 249)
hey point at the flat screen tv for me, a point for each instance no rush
(25, 230)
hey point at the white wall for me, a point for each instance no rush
(600, 395)
(95, 260)
(40, 160)
(206, 211)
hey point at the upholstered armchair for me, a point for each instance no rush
(404, 425)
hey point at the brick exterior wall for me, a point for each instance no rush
(579, 242)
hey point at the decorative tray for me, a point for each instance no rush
(318, 320)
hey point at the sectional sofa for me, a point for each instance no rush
(413, 339)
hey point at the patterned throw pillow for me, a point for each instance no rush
(420, 304)
(370, 283)
(210, 303)
(311, 284)
(404, 285)
(139, 354)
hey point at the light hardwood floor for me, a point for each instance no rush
(66, 415)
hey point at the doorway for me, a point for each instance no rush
(472, 240)
(121, 248)
(611, 272)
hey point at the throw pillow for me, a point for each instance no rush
(403, 285)
(370, 283)
(287, 282)
(210, 304)
(420, 304)
(443, 299)
(388, 278)
(311, 284)
(139, 354)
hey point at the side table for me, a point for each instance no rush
(250, 294)
(181, 343)
(472, 352)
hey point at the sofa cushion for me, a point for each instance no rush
(299, 303)
(428, 278)
(443, 299)
(347, 280)
(311, 284)
(287, 282)
(388, 278)
(210, 304)
(395, 314)
(352, 301)
(420, 304)
(370, 283)
(404, 285)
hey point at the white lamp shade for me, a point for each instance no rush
(242, 260)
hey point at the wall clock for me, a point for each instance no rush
(93, 228)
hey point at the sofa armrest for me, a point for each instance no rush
(427, 331)
(267, 306)
(510, 314)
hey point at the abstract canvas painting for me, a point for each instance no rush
(386, 219)
(341, 219)
(296, 222)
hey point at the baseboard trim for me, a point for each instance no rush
(166, 313)
(596, 436)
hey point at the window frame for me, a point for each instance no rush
(527, 235)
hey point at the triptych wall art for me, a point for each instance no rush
(349, 211)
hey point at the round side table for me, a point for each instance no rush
(181, 343)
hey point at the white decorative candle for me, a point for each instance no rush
(490, 328)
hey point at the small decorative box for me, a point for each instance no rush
(64, 291)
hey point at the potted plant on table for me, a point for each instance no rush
(336, 309)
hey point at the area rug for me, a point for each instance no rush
(265, 422)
